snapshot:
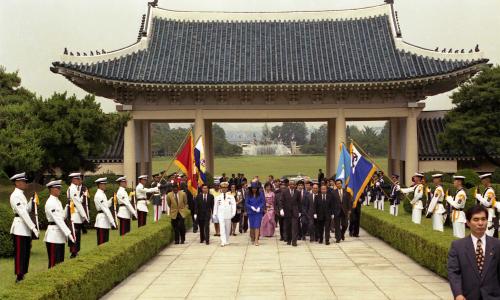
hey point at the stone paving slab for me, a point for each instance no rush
(357, 268)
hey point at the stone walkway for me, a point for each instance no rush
(364, 268)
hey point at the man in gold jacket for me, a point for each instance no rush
(177, 201)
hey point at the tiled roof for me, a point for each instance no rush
(353, 50)
(430, 124)
(114, 153)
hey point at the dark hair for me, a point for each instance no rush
(204, 184)
(338, 179)
(267, 184)
(476, 209)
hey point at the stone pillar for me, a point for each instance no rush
(209, 147)
(129, 153)
(340, 132)
(411, 149)
(395, 146)
(331, 149)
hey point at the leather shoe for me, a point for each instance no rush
(327, 243)
(294, 244)
(337, 241)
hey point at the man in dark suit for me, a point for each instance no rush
(321, 176)
(341, 208)
(323, 211)
(278, 194)
(290, 211)
(312, 197)
(204, 206)
(303, 220)
(474, 261)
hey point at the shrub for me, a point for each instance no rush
(427, 247)
(93, 274)
(6, 244)
(446, 177)
(471, 177)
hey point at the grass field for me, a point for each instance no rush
(263, 166)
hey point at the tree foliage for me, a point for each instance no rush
(221, 146)
(473, 125)
(45, 135)
(289, 131)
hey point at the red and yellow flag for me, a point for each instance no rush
(185, 161)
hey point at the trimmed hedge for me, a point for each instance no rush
(6, 244)
(91, 275)
(427, 247)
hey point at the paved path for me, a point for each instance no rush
(365, 268)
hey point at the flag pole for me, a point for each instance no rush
(176, 152)
(376, 165)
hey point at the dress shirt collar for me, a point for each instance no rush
(483, 241)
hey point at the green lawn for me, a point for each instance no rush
(265, 165)
(38, 261)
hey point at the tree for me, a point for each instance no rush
(317, 141)
(473, 125)
(266, 135)
(60, 133)
(289, 130)
(221, 145)
(373, 143)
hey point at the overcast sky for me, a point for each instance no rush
(35, 32)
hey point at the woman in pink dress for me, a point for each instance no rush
(268, 221)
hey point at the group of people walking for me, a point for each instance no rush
(440, 205)
(300, 209)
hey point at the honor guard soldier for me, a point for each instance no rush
(157, 197)
(457, 204)
(394, 196)
(104, 219)
(418, 192)
(78, 212)
(488, 200)
(436, 207)
(57, 232)
(22, 226)
(142, 202)
(125, 210)
(379, 192)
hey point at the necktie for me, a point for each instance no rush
(323, 197)
(340, 194)
(204, 198)
(479, 256)
(291, 192)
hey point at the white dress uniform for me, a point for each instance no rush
(225, 209)
(79, 215)
(104, 218)
(58, 232)
(416, 202)
(140, 194)
(438, 210)
(457, 215)
(22, 224)
(126, 210)
(488, 200)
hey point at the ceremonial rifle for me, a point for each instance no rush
(115, 208)
(132, 200)
(70, 208)
(34, 214)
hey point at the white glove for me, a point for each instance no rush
(315, 216)
(35, 232)
(258, 209)
(70, 237)
(300, 215)
(253, 208)
(282, 213)
(478, 196)
(449, 198)
(113, 224)
(333, 216)
(195, 216)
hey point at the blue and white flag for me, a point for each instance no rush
(361, 172)
(199, 161)
(344, 166)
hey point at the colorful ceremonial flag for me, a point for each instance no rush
(199, 161)
(344, 166)
(185, 161)
(361, 172)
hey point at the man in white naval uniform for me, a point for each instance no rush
(458, 204)
(488, 200)
(104, 219)
(142, 201)
(57, 232)
(22, 226)
(125, 210)
(224, 210)
(436, 207)
(79, 214)
(418, 192)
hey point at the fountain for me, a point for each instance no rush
(277, 149)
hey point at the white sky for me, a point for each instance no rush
(35, 32)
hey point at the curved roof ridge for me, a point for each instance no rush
(426, 52)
